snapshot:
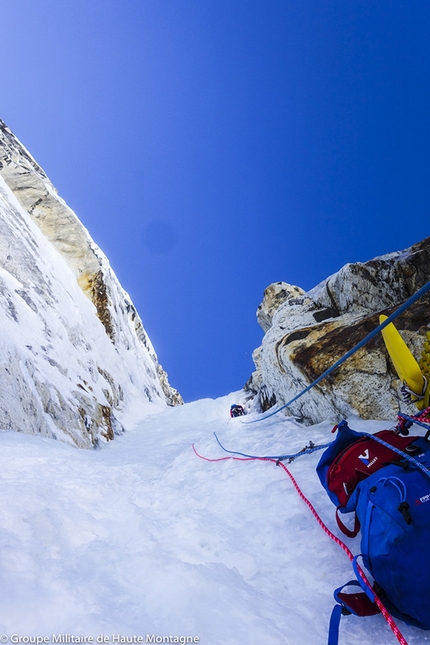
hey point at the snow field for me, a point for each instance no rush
(143, 537)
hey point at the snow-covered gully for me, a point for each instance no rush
(141, 539)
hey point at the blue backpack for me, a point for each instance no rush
(384, 479)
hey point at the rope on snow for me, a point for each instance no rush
(396, 631)
(305, 451)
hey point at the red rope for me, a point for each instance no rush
(396, 631)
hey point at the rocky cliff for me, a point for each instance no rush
(74, 350)
(306, 333)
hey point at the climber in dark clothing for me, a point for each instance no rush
(236, 410)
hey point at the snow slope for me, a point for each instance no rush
(141, 537)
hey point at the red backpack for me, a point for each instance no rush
(354, 462)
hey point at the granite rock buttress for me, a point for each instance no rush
(306, 333)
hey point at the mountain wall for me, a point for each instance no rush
(74, 352)
(306, 333)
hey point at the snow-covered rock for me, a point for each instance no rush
(74, 351)
(308, 332)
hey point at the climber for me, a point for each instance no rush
(236, 410)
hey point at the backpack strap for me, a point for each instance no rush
(357, 603)
(351, 533)
(333, 628)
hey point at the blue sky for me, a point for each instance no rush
(212, 147)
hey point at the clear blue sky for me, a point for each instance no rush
(213, 147)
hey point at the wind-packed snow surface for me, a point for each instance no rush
(141, 540)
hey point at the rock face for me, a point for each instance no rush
(74, 350)
(306, 333)
(274, 296)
